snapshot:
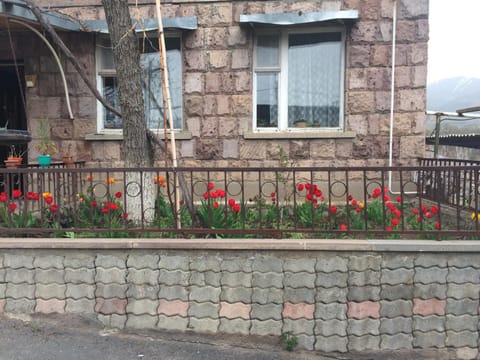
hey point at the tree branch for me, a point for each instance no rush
(51, 31)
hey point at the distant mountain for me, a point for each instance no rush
(451, 94)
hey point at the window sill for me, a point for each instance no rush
(250, 135)
(180, 135)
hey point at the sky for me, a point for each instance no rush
(453, 45)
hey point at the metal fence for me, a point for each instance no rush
(350, 202)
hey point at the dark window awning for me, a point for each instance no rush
(180, 23)
(300, 18)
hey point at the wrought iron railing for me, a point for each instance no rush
(396, 202)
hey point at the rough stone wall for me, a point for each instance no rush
(350, 301)
(218, 84)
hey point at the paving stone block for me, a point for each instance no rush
(430, 275)
(203, 294)
(3, 288)
(363, 327)
(82, 306)
(397, 292)
(299, 280)
(365, 262)
(331, 295)
(111, 261)
(105, 320)
(431, 260)
(429, 291)
(3, 272)
(234, 326)
(143, 291)
(464, 260)
(203, 310)
(301, 295)
(172, 277)
(172, 323)
(173, 308)
(267, 280)
(235, 310)
(462, 307)
(429, 323)
(332, 279)
(205, 263)
(397, 261)
(80, 276)
(267, 296)
(209, 278)
(173, 293)
(142, 307)
(267, 264)
(141, 321)
(331, 344)
(14, 261)
(331, 311)
(238, 279)
(306, 342)
(428, 340)
(111, 306)
(396, 325)
(50, 291)
(363, 310)
(19, 291)
(299, 265)
(174, 263)
(49, 276)
(396, 341)
(463, 275)
(363, 293)
(298, 311)
(331, 327)
(363, 278)
(268, 311)
(328, 263)
(143, 261)
(237, 265)
(466, 353)
(297, 327)
(77, 261)
(397, 276)
(20, 306)
(461, 291)
(20, 276)
(362, 343)
(143, 276)
(393, 309)
(267, 327)
(111, 291)
(48, 262)
(429, 307)
(111, 275)
(462, 338)
(461, 322)
(50, 306)
(233, 295)
(204, 325)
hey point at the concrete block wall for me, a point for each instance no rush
(331, 301)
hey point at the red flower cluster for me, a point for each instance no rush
(212, 193)
(426, 213)
(32, 196)
(234, 205)
(109, 206)
(313, 193)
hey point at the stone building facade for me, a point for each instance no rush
(218, 85)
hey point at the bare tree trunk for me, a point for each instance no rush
(136, 148)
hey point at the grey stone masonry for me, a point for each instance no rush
(331, 301)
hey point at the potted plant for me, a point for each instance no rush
(15, 157)
(45, 146)
(67, 158)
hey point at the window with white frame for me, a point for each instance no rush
(298, 80)
(151, 82)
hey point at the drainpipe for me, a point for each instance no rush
(392, 91)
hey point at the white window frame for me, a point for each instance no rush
(282, 70)
(101, 72)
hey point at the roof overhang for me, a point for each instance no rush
(300, 18)
(19, 10)
(179, 23)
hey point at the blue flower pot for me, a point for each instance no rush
(44, 160)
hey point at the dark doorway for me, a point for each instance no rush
(12, 105)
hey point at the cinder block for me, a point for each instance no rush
(397, 292)
(365, 262)
(464, 275)
(232, 295)
(461, 322)
(77, 261)
(297, 296)
(363, 327)
(393, 309)
(203, 310)
(397, 276)
(235, 326)
(267, 296)
(143, 291)
(297, 327)
(80, 291)
(397, 261)
(207, 278)
(461, 291)
(19, 291)
(332, 295)
(332, 279)
(173, 293)
(238, 279)
(237, 265)
(362, 343)
(429, 323)
(462, 339)
(80, 276)
(462, 307)
(267, 264)
(396, 325)
(331, 311)
(20, 306)
(299, 280)
(111, 291)
(205, 263)
(267, 311)
(429, 291)
(363, 293)
(428, 340)
(430, 275)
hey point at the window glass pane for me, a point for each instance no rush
(267, 51)
(314, 74)
(110, 92)
(267, 101)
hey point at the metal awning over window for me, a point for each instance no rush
(180, 23)
(300, 18)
